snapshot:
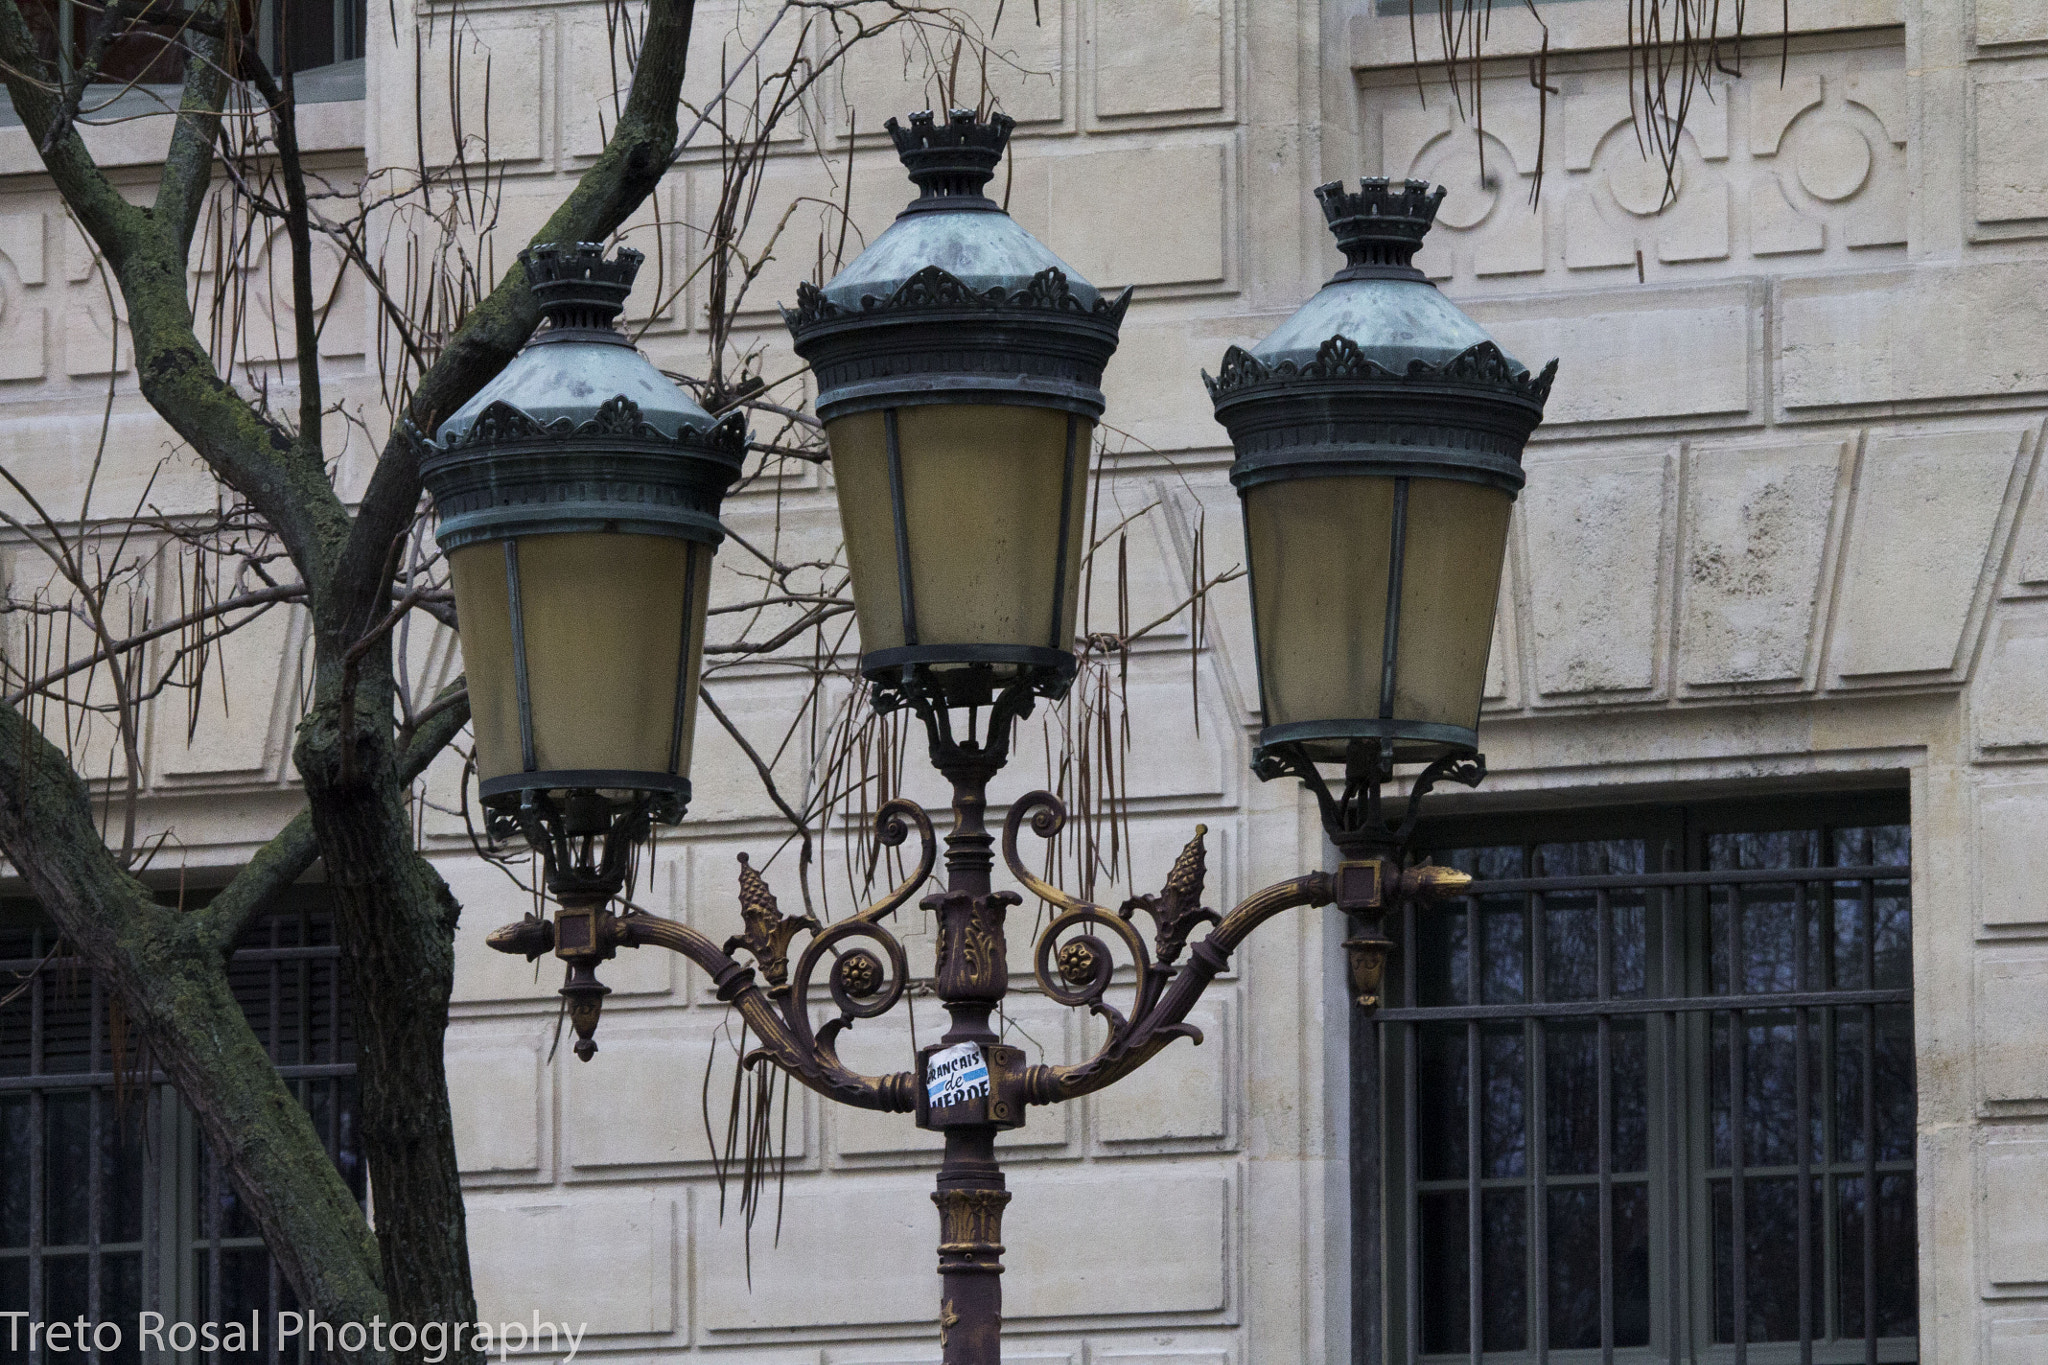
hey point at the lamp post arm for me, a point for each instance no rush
(1134, 1042)
(785, 1033)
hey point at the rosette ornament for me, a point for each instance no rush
(578, 496)
(959, 369)
(1379, 435)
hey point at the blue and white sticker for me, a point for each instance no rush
(956, 1075)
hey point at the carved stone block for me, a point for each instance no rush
(1749, 572)
(1594, 530)
(1919, 542)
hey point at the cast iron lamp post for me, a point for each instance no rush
(959, 365)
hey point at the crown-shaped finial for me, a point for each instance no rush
(1382, 225)
(951, 161)
(576, 286)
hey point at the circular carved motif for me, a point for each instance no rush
(1833, 160)
(1471, 195)
(861, 973)
(1077, 962)
(1638, 184)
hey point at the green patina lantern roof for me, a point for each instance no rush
(952, 225)
(1379, 302)
(580, 361)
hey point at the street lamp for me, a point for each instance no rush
(578, 497)
(959, 366)
(959, 369)
(1379, 436)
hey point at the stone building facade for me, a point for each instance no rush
(1783, 542)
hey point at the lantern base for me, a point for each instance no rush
(670, 794)
(965, 675)
(1406, 741)
(1356, 820)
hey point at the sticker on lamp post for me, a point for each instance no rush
(956, 1075)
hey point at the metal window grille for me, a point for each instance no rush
(110, 1202)
(1565, 1175)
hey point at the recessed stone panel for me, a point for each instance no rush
(1899, 336)
(1154, 382)
(494, 1090)
(605, 1260)
(1919, 537)
(2012, 1019)
(483, 89)
(662, 1067)
(1095, 195)
(2011, 165)
(1756, 534)
(1649, 353)
(2015, 1235)
(2011, 21)
(1594, 531)
(1069, 1251)
(2012, 853)
(892, 74)
(2009, 704)
(1154, 58)
(1181, 1094)
(238, 728)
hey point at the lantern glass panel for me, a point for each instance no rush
(1450, 576)
(987, 494)
(1321, 550)
(1319, 555)
(605, 619)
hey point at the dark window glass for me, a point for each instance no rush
(110, 1203)
(1657, 1096)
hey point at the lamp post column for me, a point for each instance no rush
(972, 975)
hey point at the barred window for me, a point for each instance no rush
(110, 1202)
(1565, 1171)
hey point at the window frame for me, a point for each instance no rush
(1682, 1272)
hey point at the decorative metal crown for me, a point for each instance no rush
(576, 286)
(1383, 224)
(953, 159)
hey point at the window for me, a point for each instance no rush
(304, 35)
(110, 1203)
(1564, 1169)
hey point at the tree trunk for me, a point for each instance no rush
(395, 922)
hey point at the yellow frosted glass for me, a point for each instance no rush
(1450, 576)
(486, 627)
(860, 472)
(982, 514)
(1319, 557)
(604, 617)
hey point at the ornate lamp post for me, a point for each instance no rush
(959, 366)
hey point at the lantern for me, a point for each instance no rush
(1379, 436)
(578, 497)
(959, 368)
